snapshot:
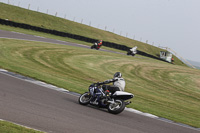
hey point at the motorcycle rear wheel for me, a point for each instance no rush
(117, 107)
(85, 98)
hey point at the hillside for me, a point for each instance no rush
(38, 19)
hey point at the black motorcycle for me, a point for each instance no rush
(114, 102)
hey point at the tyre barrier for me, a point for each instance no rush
(73, 36)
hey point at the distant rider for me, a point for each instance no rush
(99, 43)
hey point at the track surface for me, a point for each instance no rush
(21, 36)
(48, 110)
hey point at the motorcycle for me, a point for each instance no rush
(96, 46)
(114, 102)
(132, 51)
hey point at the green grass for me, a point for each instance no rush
(7, 127)
(162, 89)
(34, 18)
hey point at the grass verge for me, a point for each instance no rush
(8, 127)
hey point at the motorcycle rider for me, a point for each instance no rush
(99, 43)
(118, 85)
(132, 51)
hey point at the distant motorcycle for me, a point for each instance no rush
(114, 102)
(97, 45)
(132, 51)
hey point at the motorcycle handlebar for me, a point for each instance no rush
(97, 84)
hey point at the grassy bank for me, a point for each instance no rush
(163, 89)
(51, 22)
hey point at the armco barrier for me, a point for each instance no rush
(73, 36)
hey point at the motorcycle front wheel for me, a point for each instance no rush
(85, 98)
(117, 107)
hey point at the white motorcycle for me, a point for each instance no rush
(114, 102)
(132, 51)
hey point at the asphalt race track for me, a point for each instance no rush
(21, 36)
(54, 111)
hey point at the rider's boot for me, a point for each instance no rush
(108, 94)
